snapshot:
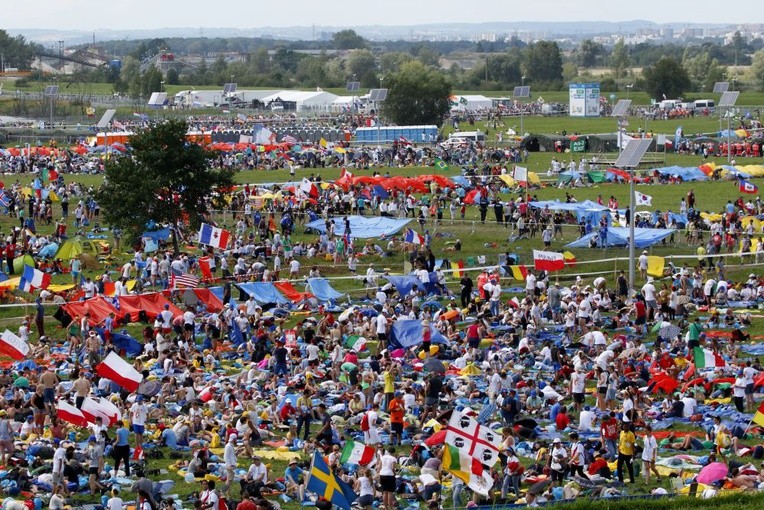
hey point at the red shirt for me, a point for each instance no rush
(562, 421)
(609, 428)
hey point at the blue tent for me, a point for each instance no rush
(619, 236)
(586, 210)
(362, 227)
(687, 173)
(404, 284)
(48, 251)
(681, 219)
(323, 291)
(264, 293)
(218, 292)
(408, 332)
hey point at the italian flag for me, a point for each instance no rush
(468, 469)
(357, 453)
(706, 359)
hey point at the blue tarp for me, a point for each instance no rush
(687, 173)
(404, 284)
(124, 341)
(362, 227)
(264, 293)
(158, 235)
(462, 181)
(618, 236)
(408, 332)
(586, 210)
(681, 219)
(323, 291)
(48, 251)
(218, 292)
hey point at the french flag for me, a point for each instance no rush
(213, 236)
(120, 371)
(412, 237)
(13, 346)
(32, 279)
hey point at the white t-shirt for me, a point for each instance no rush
(648, 291)
(388, 465)
(650, 446)
(140, 413)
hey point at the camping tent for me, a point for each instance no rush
(191, 297)
(586, 210)
(323, 291)
(152, 304)
(619, 236)
(362, 227)
(687, 173)
(72, 248)
(291, 293)
(98, 307)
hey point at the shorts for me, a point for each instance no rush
(397, 427)
(365, 500)
(474, 343)
(640, 320)
(188, 327)
(387, 483)
(749, 389)
(430, 401)
(138, 429)
(49, 395)
(93, 471)
(601, 390)
(578, 398)
(57, 479)
(652, 304)
(39, 417)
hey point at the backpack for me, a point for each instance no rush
(365, 422)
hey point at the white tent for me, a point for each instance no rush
(472, 102)
(317, 100)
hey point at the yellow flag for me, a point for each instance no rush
(322, 142)
(655, 266)
(508, 180)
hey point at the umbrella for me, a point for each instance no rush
(712, 473)
(434, 365)
(149, 388)
(450, 315)
(470, 369)
(670, 332)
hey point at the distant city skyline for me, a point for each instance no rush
(156, 14)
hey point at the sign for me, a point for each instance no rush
(584, 99)
(578, 145)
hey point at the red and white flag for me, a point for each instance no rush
(548, 260)
(67, 412)
(204, 267)
(120, 371)
(184, 281)
(13, 346)
(308, 188)
(93, 408)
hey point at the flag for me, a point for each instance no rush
(236, 335)
(467, 469)
(707, 359)
(118, 125)
(642, 199)
(758, 418)
(5, 201)
(655, 266)
(519, 273)
(748, 187)
(120, 371)
(213, 236)
(473, 439)
(410, 236)
(521, 174)
(570, 259)
(204, 267)
(184, 281)
(322, 142)
(548, 260)
(92, 408)
(324, 483)
(67, 412)
(13, 346)
(440, 164)
(677, 137)
(32, 279)
(308, 188)
(459, 271)
(357, 453)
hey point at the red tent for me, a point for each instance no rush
(152, 304)
(98, 308)
(291, 293)
(214, 304)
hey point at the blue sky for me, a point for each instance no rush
(145, 14)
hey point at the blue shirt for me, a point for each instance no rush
(293, 474)
(170, 438)
(123, 435)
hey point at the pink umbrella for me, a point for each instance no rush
(712, 473)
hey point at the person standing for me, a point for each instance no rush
(138, 414)
(94, 455)
(396, 408)
(39, 317)
(387, 478)
(626, 443)
(649, 454)
(577, 459)
(229, 458)
(558, 460)
(122, 448)
(59, 461)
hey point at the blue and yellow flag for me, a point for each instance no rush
(325, 484)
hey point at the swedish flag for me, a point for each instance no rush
(324, 483)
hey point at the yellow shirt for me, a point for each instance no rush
(389, 382)
(626, 443)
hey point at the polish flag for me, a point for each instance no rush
(548, 260)
(68, 412)
(13, 346)
(93, 408)
(120, 371)
(308, 188)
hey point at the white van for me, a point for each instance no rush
(668, 104)
(470, 136)
(705, 104)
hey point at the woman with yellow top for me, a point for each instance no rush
(626, 443)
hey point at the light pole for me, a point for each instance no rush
(522, 130)
(628, 90)
(230, 99)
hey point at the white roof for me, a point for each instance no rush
(301, 96)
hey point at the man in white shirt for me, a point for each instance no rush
(689, 406)
(138, 415)
(586, 420)
(648, 292)
(166, 316)
(189, 323)
(256, 477)
(530, 284)
(749, 373)
(578, 386)
(59, 461)
(381, 328)
(229, 458)
(294, 268)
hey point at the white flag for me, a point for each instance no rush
(642, 199)
(521, 174)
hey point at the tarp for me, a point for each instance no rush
(152, 304)
(213, 303)
(408, 332)
(404, 284)
(291, 293)
(264, 293)
(586, 210)
(48, 251)
(618, 236)
(323, 291)
(687, 173)
(158, 235)
(362, 227)
(123, 341)
(98, 307)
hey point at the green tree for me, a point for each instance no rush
(359, 63)
(666, 78)
(17, 52)
(589, 53)
(504, 68)
(392, 61)
(417, 95)
(704, 71)
(348, 40)
(166, 180)
(620, 62)
(173, 78)
(757, 69)
(543, 65)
